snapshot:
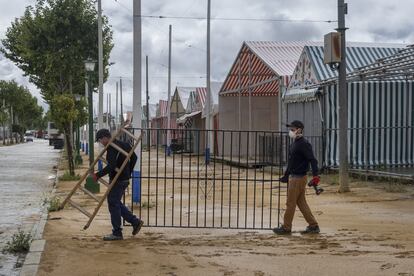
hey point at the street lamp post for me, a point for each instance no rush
(78, 158)
(90, 67)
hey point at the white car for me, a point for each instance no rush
(28, 137)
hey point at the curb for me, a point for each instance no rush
(32, 260)
(33, 257)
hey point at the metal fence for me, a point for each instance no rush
(235, 185)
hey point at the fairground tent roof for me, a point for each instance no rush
(184, 94)
(399, 66)
(262, 64)
(358, 55)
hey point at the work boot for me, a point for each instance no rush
(112, 237)
(281, 231)
(137, 227)
(311, 230)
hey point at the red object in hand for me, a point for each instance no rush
(94, 177)
(315, 180)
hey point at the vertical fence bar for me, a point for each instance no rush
(198, 173)
(255, 177)
(272, 163)
(205, 181)
(183, 134)
(231, 174)
(173, 181)
(222, 179)
(214, 173)
(165, 177)
(238, 180)
(263, 177)
(149, 178)
(189, 181)
(247, 179)
(156, 178)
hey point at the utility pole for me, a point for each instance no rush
(4, 122)
(110, 111)
(120, 95)
(100, 76)
(87, 125)
(100, 66)
(136, 99)
(169, 94)
(107, 110)
(208, 100)
(147, 100)
(343, 103)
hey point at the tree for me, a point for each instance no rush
(63, 109)
(50, 43)
(26, 110)
(4, 118)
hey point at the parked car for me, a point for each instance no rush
(28, 137)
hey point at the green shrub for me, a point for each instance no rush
(67, 177)
(54, 204)
(20, 243)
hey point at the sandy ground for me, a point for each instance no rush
(366, 232)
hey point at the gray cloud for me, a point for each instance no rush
(368, 20)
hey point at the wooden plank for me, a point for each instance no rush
(106, 163)
(89, 193)
(130, 134)
(103, 182)
(77, 206)
(118, 148)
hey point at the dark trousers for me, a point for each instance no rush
(117, 209)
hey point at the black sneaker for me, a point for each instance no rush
(281, 231)
(112, 237)
(311, 230)
(137, 227)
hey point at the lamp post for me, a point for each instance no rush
(90, 67)
(91, 185)
(78, 158)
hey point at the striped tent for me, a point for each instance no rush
(161, 122)
(368, 103)
(249, 96)
(381, 121)
(259, 66)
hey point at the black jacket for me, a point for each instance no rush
(115, 160)
(300, 155)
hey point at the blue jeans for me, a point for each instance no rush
(117, 209)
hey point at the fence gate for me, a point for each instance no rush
(234, 186)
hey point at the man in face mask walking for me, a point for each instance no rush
(300, 156)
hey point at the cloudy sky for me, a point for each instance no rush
(367, 20)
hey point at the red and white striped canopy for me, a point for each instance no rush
(162, 108)
(259, 66)
(202, 95)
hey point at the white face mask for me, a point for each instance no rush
(292, 134)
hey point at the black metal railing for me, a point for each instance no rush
(234, 185)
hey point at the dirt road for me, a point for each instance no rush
(366, 232)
